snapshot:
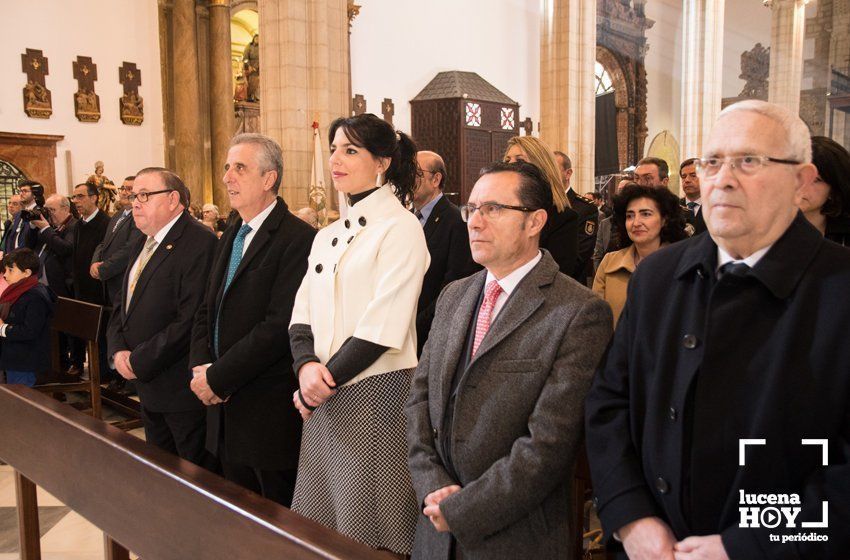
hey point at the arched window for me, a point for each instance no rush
(604, 84)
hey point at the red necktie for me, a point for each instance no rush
(491, 294)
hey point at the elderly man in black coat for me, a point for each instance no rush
(726, 387)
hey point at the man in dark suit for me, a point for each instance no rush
(111, 256)
(56, 245)
(726, 389)
(20, 232)
(55, 251)
(152, 318)
(494, 417)
(446, 236)
(89, 233)
(691, 201)
(588, 221)
(241, 358)
(13, 206)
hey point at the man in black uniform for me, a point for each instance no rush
(588, 221)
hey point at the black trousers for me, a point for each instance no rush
(278, 486)
(180, 433)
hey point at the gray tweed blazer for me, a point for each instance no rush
(517, 420)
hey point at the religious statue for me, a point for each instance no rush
(755, 71)
(106, 190)
(318, 202)
(86, 101)
(241, 92)
(37, 99)
(251, 68)
(132, 106)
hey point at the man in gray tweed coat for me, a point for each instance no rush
(495, 411)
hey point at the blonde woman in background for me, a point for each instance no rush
(560, 234)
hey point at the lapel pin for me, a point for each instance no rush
(437, 219)
(169, 246)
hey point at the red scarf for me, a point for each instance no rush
(15, 291)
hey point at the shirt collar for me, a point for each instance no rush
(723, 257)
(91, 216)
(510, 282)
(257, 221)
(428, 208)
(160, 235)
(697, 201)
(781, 266)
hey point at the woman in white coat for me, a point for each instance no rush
(353, 336)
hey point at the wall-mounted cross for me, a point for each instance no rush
(388, 109)
(358, 105)
(85, 72)
(130, 77)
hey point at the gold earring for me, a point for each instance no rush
(379, 180)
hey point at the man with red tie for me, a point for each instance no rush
(495, 412)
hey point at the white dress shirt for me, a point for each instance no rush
(510, 282)
(91, 216)
(255, 223)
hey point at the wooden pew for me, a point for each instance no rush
(149, 501)
(84, 321)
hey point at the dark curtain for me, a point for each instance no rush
(606, 135)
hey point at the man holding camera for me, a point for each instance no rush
(21, 233)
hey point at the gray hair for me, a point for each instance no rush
(63, 200)
(271, 156)
(797, 136)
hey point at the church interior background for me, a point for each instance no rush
(135, 83)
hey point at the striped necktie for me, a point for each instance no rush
(147, 253)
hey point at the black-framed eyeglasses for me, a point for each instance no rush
(490, 210)
(144, 196)
(747, 164)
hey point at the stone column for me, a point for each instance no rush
(567, 97)
(787, 32)
(188, 145)
(702, 72)
(222, 120)
(304, 77)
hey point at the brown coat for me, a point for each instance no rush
(612, 278)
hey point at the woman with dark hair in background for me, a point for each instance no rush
(651, 218)
(560, 234)
(826, 202)
(353, 336)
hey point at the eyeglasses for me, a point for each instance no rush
(25, 190)
(490, 210)
(746, 164)
(144, 196)
(125, 189)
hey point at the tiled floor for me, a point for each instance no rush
(65, 535)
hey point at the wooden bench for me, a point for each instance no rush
(150, 501)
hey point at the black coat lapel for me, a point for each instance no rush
(433, 220)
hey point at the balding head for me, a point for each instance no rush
(432, 179)
(59, 208)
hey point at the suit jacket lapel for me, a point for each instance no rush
(162, 251)
(457, 335)
(110, 234)
(524, 301)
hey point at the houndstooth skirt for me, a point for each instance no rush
(352, 471)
